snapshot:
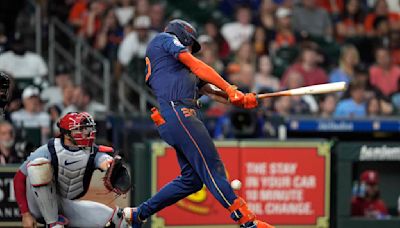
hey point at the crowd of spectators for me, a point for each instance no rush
(260, 46)
(35, 106)
(269, 45)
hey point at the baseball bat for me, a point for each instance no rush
(314, 89)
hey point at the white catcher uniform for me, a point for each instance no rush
(57, 175)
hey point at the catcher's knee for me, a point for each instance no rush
(40, 172)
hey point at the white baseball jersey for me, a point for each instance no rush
(70, 168)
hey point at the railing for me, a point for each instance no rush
(79, 56)
(29, 23)
(132, 97)
(38, 26)
(126, 103)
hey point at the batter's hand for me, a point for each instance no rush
(28, 221)
(250, 101)
(235, 96)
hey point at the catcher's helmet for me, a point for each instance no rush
(80, 126)
(369, 177)
(185, 32)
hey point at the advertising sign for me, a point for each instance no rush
(9, 212)
(200, 208)
(286, 184)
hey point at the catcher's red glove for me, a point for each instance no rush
(117, 178)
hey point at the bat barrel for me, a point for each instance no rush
(314, 89)
(320, 89)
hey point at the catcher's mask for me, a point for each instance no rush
(80, 127)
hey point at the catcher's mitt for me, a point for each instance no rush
(117, 178)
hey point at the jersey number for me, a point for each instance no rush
(148, 68)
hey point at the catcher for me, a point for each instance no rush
(51, 179)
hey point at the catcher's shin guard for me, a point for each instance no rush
(131, 215)
(40, 176)
(118, 219)
(244, 216)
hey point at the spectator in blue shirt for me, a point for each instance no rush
(349, 58)
(355, 106)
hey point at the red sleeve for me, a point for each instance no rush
(284, 78)
(356, 207)
(372, 77)
(202, 70)
(105, 149)
(20, 191)
(323, 78)
(381, 206)
(369, 22)
(77, 11)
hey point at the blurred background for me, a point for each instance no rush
(88, 55)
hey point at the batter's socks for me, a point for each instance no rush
(131, 214)
(244, 216)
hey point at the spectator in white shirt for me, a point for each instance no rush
(134, 44)
(125, 12)
(309, 19)
(54, 94)
(31, 115)
(21, 63)
(83, 100)
(239, 31)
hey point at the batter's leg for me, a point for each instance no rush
(185, 184)
(200, 151)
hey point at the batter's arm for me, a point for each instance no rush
(214, 93)
(208, 74)
(203, 71)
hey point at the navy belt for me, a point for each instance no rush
(192, 103)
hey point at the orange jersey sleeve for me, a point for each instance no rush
(202, 70)
(77, 11)
(369, 22)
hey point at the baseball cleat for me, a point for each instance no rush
(131, 215)
(256, 224)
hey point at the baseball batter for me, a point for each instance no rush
(48, 182)
(178, 78)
